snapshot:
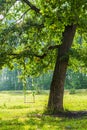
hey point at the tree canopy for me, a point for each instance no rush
(38, 35)
(32, 30)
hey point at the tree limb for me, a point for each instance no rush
(21, 17)
(45, 53)
(53, 47)
(27, 52)
(33, 7)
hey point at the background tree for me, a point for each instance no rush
(41, 33)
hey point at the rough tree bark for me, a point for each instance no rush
(55, 103)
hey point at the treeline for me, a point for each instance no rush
(9, 80)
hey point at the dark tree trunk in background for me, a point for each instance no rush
(55, 103)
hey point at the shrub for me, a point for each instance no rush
(72, 91)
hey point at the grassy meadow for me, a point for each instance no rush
(17, 115)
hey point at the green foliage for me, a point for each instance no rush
(14, 80)
(27, 30)
(9, 80)
(72, 91)
(75, 80)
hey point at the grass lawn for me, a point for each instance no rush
(17, 115)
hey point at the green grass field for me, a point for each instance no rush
(17, 115)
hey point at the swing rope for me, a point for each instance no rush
(25, 85)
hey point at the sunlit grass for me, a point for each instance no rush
(75, 101)
(17, 115)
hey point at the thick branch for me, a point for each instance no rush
(33, 7)
(53, 47)
(41, 56)
(49, 48)
(27, 52)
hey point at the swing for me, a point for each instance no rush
(25, 97)
(27, 93)
(24, 87)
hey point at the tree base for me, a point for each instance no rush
(52, 111)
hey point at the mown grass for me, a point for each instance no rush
(17, 115)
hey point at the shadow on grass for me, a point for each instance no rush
(70, 114)
(13, 124)
(37, 121)
(65, 114)
(32, 122)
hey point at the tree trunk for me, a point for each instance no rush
(55, 103)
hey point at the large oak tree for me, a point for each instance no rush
(39, 35)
